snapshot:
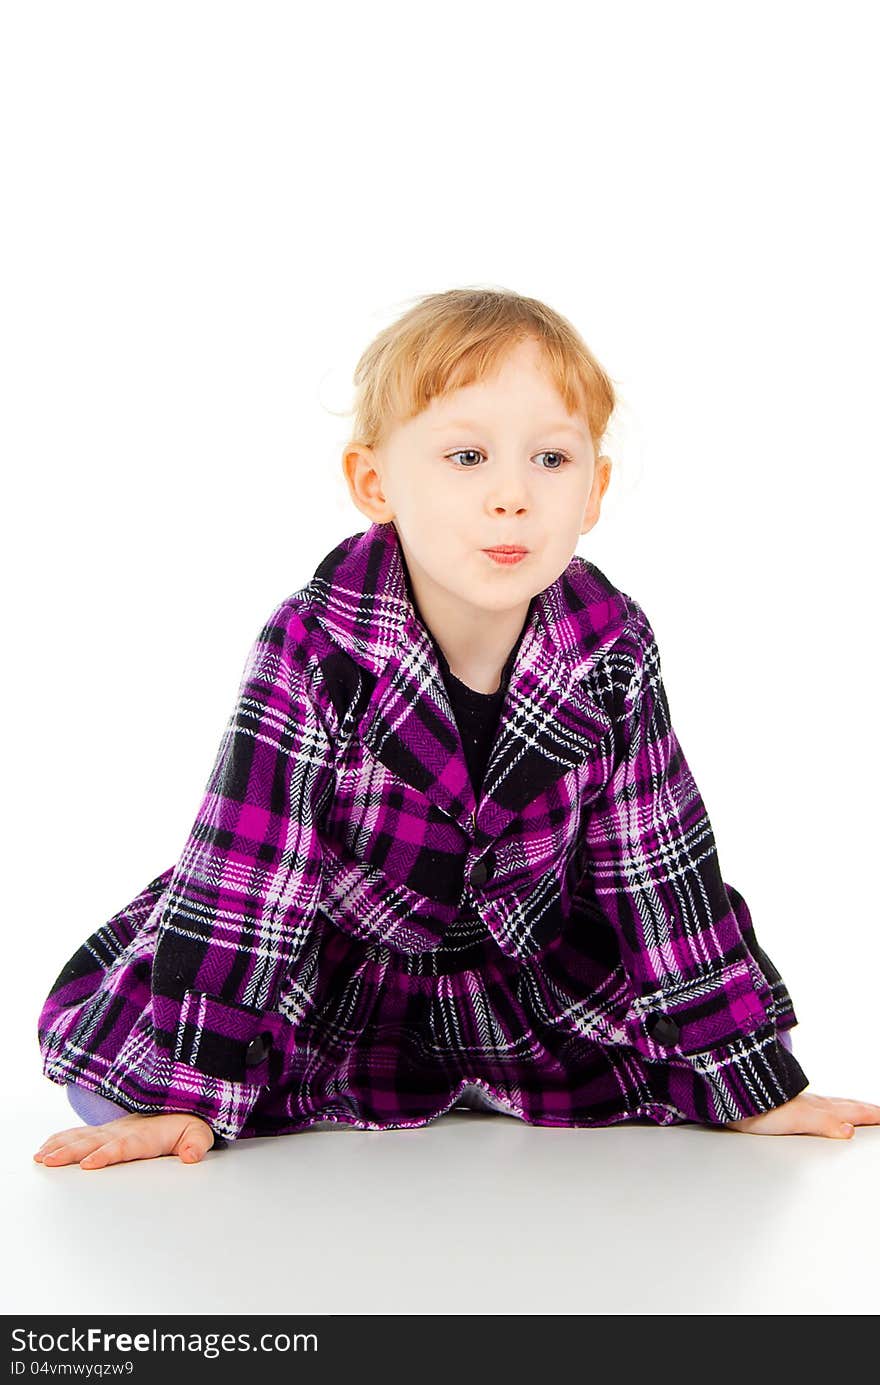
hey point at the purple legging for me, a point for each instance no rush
(95, 1109)
(91, 1107)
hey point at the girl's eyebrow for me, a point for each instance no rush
(548, 428)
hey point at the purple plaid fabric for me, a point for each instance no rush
(351, 934)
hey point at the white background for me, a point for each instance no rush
(208, 211)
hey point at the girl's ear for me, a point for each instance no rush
(601, 477)
(365, 483)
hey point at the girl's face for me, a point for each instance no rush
(497, 462)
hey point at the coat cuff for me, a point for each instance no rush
(717, 1043)
(223, 1050)
(748, 1077)
(736, 1077)
(211, 1059)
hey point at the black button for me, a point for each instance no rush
(481, 872)
(257, 1050)
(663, 1030)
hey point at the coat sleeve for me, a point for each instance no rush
(242, 896)
(702, 1005)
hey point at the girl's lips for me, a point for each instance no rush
(505, 559)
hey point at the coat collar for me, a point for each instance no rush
(549, 723)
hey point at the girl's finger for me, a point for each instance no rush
(63, 1137)
(68, 1152)
(838, 1115)
(116, 1151)
(54, 1143)
(833, 1124)
(193, 1150)
(195, 1141)
(858, 1112)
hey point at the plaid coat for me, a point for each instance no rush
(351, 934)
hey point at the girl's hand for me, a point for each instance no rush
(806, 1114)
(129, 1137)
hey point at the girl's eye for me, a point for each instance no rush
(563, 459)
(475, 452)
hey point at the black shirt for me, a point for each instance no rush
(468, 940)
(476, 713)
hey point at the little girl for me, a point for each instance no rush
(450, 853)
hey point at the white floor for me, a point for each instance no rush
(476, 1213)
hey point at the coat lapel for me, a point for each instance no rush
(549, 724)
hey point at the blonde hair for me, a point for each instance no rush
(448, 340)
